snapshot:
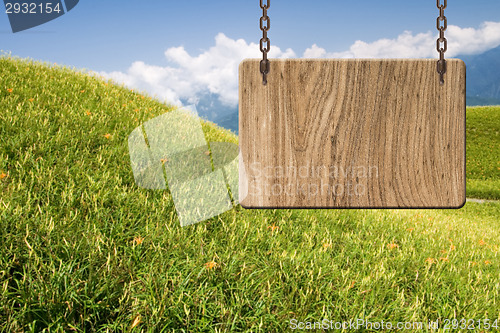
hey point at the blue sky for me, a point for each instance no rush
(167, 47)
(110, 35)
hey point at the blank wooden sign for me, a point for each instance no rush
(352, 133)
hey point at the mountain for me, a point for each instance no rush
(229, 121)
(209, 107)
(483, 78)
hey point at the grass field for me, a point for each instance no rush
(84, 249)
(483, 152)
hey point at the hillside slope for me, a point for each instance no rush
(84, 249)
(483, 152)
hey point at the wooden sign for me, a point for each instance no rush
(352, 133)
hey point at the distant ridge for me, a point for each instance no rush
(483, 78)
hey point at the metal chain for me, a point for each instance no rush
(264, 63)
(265, 42)
(441, 64)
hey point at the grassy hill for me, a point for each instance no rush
(84, 249)
(483, 152)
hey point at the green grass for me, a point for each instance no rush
(84, 249)
(483, 152)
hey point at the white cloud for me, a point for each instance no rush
(461, 41)
(315, 52)
(215, 71)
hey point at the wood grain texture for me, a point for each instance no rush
(352, 133)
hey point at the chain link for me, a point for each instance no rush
(442, 43)
(265, 42)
